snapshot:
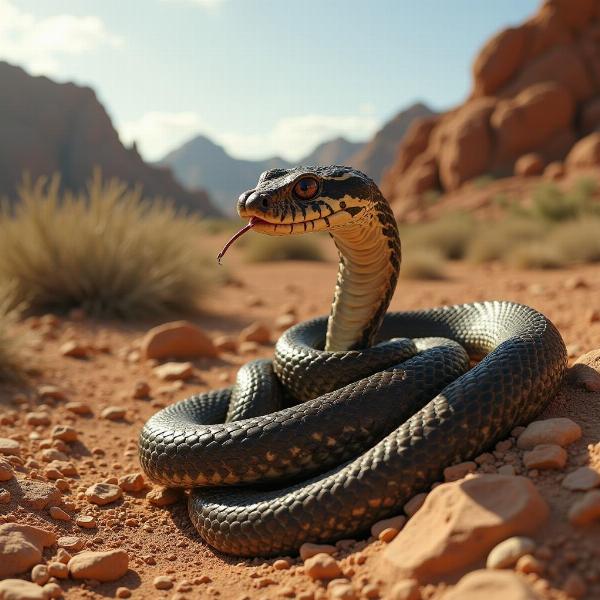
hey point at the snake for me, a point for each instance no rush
(359, 410)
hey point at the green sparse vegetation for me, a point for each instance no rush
(266, 248)
(106, 250)
(536, 255)
(483, 181)
(423, 263)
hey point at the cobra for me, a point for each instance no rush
(358, 411)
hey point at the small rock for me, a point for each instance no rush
(308, 550)
(86, 522)
(256, 332)
(506, 553)
(51, 392)
(506, 470)
(133, 482)
(226, 343)
(575, 586)
(21, 547)
(70, 543)
(59, 514)
(341, 591)
(5, 497)
(529, 564)
(64, 467)
(50, 454)
(78, 408)
(162, 582)
(285, 321)
(141, 390)
(545, 456)
(491, 585)
(17, 589)
(456, 472)
(114, 413)
(103, 493)
(75, 349)
(178, 339)
(6, 470)
(39, 574)
(10, 447)
(586, 509)
(37, 418)
(581, 479)
(395, 522)
(53, 590)
(407, 589)
(560, 431)
(281, 564)
(38, 495)
(414, 504)
(388, 534)
(322, 566)
(586, 370)
(123, 592)
(102, 566)
(173, 371)
(63, 556)
(64, 433)
(58, 570)
(248, 348)
(164, 496)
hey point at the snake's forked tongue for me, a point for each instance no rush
(253, 221)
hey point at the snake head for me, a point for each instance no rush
(307, 199)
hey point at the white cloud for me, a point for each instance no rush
(292, 137)
(39, 43)
(208, 4)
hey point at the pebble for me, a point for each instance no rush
(5, 497)
(575, 586)
(322, 566)
(162, 582)
(581, 479)
(308, 550)
(177, 339)
(10, 447)
(162, 496)
(388, 534)
(102, 566)
(529, 564)
(103, 493)
(78, 408)
(86, 521)
(586, 370)
(113, 413)
(58, 570)
(71, 543)
(586, 509)
(51, 454)
(341, 591)
(508, 552)
(75, 349)
(123, 592)
(53, 590)
(414, 504)
(59, 514)
(285, 321)
(407, 589)
(249, 348)
(17, 589)
(174, 371)
(281, 564)
(37, 418)
(141, 390)
(51, 392)
(38, 495)
(21, 547)
(63, 556)
(64, 433)
(393, 522)
(132, 482)
(506, 470)
(255, 332)
(491, 585)
(39, 574)
(226, 343)
(545, 456)
(560, 431)
(6, 470)
(456, 472)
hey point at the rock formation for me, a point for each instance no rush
(536, 92)
(48, 128)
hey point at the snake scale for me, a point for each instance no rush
(359, 411)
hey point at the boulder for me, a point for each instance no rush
(460, 523)
(585, 153)
(529, 165)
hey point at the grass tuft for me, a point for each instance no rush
(423, 263)
(10, 358)
(106, 250)
(536, 255)
(265, 248)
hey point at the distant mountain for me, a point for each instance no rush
(47, 127)
(379, 154)
(334, 152)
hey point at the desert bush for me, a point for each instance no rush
(482, 181)
(423, 263)
(578, 241)
(9, 348)
(551, 203)
(536, 255)
(106, 250)
(266, 248)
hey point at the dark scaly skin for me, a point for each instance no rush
(338, 463)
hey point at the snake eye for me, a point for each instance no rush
(306, 188)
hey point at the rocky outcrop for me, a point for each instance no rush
(536, 90)
(50, 128)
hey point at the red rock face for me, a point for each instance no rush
(52, 128)
(536, 89)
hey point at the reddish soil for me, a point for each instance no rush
(161, 541)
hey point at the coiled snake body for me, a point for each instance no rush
(359, 411)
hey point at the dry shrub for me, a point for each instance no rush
(423, 263)
(578, 241)
(10, 367)
(106, 250)
(266, 248)
(536, 255)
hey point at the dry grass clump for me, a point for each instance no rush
(536, 255)
(578, 241)
(266, 248)
(106, 250)
(423, 263)
(9, 348)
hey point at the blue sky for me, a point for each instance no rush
(261, 77)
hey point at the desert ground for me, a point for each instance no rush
(97, 396)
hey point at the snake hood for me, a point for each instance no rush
(346, 203)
